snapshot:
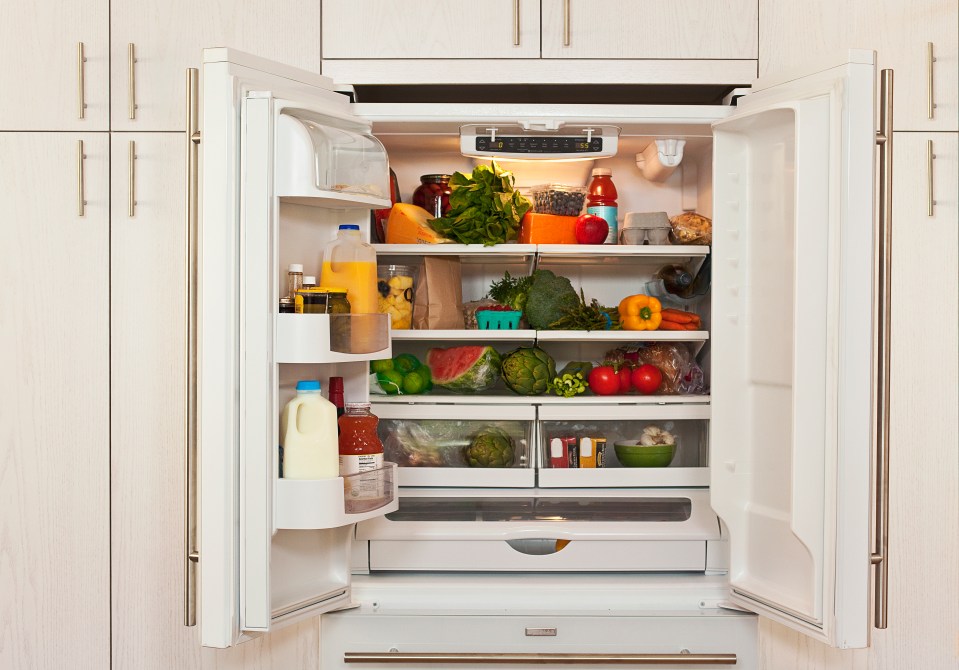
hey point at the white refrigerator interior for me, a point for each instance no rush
(765, 507)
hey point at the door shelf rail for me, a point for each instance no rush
(311, 504)
(332, 338)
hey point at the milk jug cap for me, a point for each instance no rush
(308, 385)
(349, 226)
(602, 172)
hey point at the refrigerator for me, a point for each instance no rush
(766, 508)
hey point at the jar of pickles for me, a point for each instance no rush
(336, 301)
(433, 194)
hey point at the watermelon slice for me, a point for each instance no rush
(469, 369)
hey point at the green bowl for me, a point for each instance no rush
(631, 454)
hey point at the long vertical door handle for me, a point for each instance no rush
(192, 213)
(930, 189)
(81, 60)
(81, 202)
(515, 23)
(132, 182)
(930, 98)
(882, 341)
(565, 23)
(131, 81)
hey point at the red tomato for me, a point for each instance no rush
(647, 379)
(625, 383)
(604, 380)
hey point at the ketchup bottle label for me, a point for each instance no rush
(608, 213)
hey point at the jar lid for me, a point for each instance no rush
(286, 301)
(435, 178)
(295, 267)
(333, 289)
(309, 279)
(602, 172)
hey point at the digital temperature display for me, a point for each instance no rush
(539, 145)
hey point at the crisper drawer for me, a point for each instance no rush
(692, 640)
(568, 530)
(434, 445)
(562, 443)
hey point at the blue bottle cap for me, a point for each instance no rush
(308, 385)
(349, 226)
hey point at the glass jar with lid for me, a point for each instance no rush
(433, 194)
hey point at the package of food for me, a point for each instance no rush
(438, 300)
(681, 372)
(558, 199)
(536, 228)
(691, 228)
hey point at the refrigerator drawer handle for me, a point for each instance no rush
(539, 659)
(882, 315)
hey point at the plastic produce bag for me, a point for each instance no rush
(439, 443)
(681, 372)
(691, 228)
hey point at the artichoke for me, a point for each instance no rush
(492, 448)
(528, 370)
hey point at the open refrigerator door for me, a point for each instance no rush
(792, 350)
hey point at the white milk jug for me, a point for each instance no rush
(308, 435)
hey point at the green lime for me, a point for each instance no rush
(406, 363)
(382, 365)
(390, 381)
(424, 372)
(414, 383)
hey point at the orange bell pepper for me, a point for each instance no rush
(640, 312)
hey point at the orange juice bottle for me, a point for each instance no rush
(350, 262)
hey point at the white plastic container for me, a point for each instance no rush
(308, 435)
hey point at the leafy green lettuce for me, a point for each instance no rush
(484, 207)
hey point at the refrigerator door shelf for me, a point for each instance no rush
(332, 338)
(324, 503)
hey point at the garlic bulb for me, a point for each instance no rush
(654, 435)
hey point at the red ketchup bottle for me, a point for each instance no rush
(601, 201)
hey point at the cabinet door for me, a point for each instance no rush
(650, 29)
(43, 77)
(430, 29)
(168, 37)
(899, 30)
(54, 385)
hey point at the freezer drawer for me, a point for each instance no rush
(694, 640)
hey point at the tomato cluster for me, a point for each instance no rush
(606, 380)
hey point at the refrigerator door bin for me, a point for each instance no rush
(324, 503)
(433, 449)
(332, 338)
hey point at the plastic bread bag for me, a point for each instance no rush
(691, 228)
(681, 373)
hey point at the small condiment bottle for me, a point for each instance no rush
(287, 306)
(309, 281)
(311, 301)
(336, 301)
(294, 280)
(587, 453)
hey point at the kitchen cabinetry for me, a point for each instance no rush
(54, 481)
(900, 31)
(55, 58)
(924, 547)
(644, 42)
(167, 37)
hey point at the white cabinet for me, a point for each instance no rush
(431, 29)
(55, 332)
(56, 64)
(650, 29)
(168, 37)
(900, 31)
(627, 41)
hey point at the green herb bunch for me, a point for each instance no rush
(484, 207)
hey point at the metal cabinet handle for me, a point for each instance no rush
(515, 23)
(81, 202)
(131, 81)
(882, 315)
(930, 101)
(539, 659)
(565, 23)
(930, 190)
(192, 213)
(81, 102)
(131, 185)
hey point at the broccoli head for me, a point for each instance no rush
(550, 298)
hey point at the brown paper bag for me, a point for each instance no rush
(438, 300)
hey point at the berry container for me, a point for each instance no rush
(492, 319)
(558, 199)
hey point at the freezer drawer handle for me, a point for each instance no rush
(539, 659)
(189, 523)
(882, 315)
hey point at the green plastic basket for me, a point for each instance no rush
(491, 319)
